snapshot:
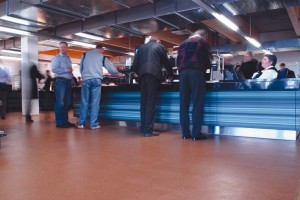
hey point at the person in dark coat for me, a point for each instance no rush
(248, 66)
(148, 63)
(48, 81)
(32, 88)
(193, 60)
(285, 72)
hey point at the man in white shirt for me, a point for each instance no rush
(269, 72)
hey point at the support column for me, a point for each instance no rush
(29, 50)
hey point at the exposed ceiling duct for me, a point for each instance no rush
(273, 46)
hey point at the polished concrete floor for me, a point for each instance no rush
(41, 162)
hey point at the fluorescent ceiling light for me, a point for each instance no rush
(225, 21)
(89, 36)
(253, 41)
(15, 20)
(267, 51)
(9, 58)
(230, 8)
(13, 31)
(83, 44)
(130, 53)
(11, 51)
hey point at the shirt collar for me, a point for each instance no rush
(62, 55)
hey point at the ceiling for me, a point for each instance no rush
(124, 24)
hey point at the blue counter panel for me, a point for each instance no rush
(233, 108)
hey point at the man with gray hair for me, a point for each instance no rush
(193, 60)
(148, 63)
(248, 66)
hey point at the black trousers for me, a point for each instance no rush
(192, 85)
(149, 89)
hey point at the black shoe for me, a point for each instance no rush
(28, 119)
(71, 124)
(186, 137)
(151, 134)
(3, 134)
(63, 126)
(200, 137)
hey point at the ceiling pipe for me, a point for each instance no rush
(236, 29)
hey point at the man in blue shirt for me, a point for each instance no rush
(62, 67)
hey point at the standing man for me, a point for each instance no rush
(248, 66)
(148, 64)
(92, 75)
(284, 72)
(193, 60)
(62, 67)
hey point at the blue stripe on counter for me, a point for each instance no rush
(251, 109)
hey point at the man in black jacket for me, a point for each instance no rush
(285, 72)
(148, 63)
(248, 66)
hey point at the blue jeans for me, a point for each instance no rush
(63, 91)
(192, 86)
(90, 91)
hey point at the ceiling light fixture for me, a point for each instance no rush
(226, 21)
(253, 42)
(89, 36)
(13, 31)
(15, 20)
(83, 44)
(11, 51)
(10, 58)
(230, 8)
(267, 52)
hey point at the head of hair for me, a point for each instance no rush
(99, 46)
(63, 42)
(154, 38)
(272, 58)
(249, 53)
(200, 33)
(282, 65)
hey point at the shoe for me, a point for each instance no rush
(71, 124)
(95, 127)
(80, 126)
(28, 119)
(62, 126)
(151, 134)
(200, 137)
(3, 134)
(186, 137)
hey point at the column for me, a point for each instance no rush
(29, 55)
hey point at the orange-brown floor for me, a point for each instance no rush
(41, 162)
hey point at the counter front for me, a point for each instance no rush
(254, 108)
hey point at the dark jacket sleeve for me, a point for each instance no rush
(35, 73)
(135, 64)
(165, 60)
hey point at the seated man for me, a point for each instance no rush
(269, 71)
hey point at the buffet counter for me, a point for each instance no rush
(254, 108)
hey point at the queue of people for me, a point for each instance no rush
(193, 60)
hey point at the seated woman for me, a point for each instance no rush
(269, 71)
